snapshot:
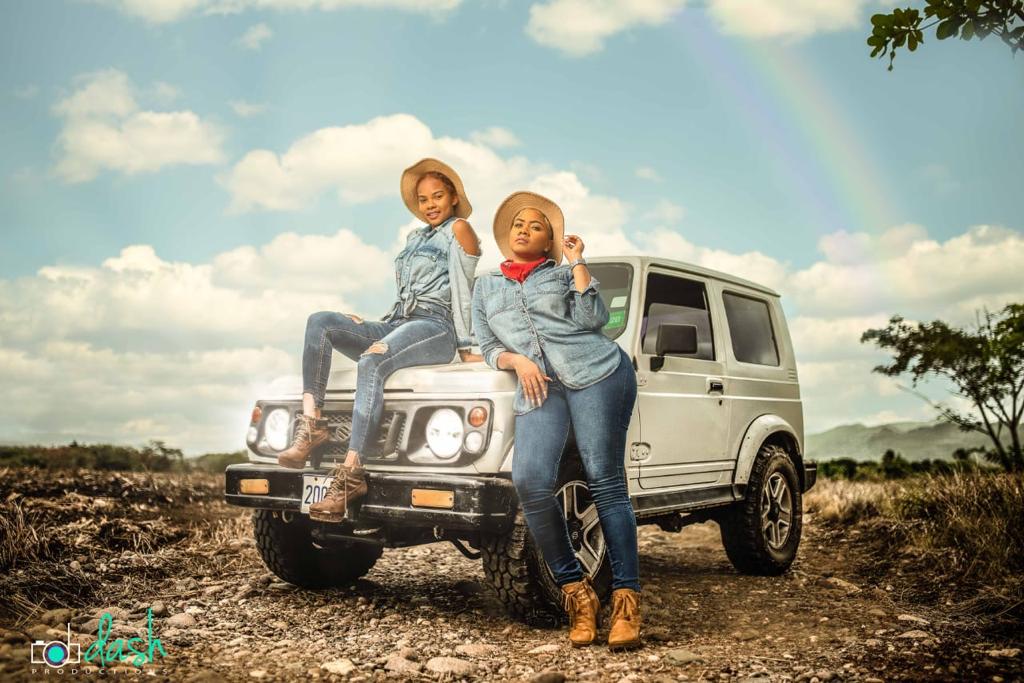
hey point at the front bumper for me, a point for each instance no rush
(480, 503)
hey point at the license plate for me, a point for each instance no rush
(314, 488)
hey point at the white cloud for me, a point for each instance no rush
(179, 350)
(105, 129)
(164, 11)
(156, 11)
(580, 27)
(171, 350)
(362, 163)
(648, 173)
(255, 36)
(982, 264)
(791, 18)
(495, 137)
(247, 109)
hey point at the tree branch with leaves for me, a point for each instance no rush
(986, 365)
(968, 19)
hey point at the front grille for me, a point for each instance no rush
(340, 425)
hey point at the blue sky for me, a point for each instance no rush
(216, 146)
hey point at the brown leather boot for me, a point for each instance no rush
(625, 628)
(309, 433)
(581, 604)
(349, 485)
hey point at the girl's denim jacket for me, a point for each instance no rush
(549, 322)
(435, 269)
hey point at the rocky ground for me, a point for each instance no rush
(94, 543)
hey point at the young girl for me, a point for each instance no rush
(429, 321)
(543, 321)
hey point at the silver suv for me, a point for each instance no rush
(717, 434)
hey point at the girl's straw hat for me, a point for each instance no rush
(411, 177)
(516, 202)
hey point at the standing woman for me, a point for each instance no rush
(429, 321)
(544, 321)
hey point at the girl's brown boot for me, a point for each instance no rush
(625, 628)
(581, 604)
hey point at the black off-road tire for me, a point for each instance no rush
(288, 550)
(518, 574)
(746, 542)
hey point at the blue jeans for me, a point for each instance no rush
(599, 415)
(426, 337)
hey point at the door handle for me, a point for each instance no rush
(716, 386)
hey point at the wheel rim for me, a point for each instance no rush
(585, 533)
(776, 511)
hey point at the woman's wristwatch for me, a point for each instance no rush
(579, 261)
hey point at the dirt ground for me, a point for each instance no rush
(125, 543)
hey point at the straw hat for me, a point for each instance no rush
(411, 177)
(516, 202)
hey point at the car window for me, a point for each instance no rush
(678, 301)
(616, 280)
(750, 326)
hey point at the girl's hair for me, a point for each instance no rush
(445, 180)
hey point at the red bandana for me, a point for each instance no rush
(519, 271)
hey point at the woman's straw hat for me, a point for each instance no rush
(516, 202)
(411, 177)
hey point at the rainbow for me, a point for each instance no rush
(793, 110)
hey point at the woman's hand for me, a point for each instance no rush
(533, 381)
(467, 356)
(572, 247)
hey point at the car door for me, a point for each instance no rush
(759, 362)
(684, 419)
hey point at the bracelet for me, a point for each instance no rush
(577, 262)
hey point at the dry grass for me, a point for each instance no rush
(959, 534)
(64, 535)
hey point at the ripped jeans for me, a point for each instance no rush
(426, 337)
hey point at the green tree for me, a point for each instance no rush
(967, 19)
(986, 365)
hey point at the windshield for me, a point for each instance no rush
(615, 281)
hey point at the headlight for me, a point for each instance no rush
(275, 429)
(474, 442)
(444, 433)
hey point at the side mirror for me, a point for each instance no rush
(673, 339)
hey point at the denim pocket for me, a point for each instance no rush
(427, 252)
(499, 302)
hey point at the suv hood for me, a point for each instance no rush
(472, 378)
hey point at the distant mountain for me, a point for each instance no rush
(913, 440)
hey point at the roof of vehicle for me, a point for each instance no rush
(642, 262)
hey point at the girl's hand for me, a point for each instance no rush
(572, 247)
(533, 381)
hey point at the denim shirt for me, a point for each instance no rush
(434, 268)
(549, 322)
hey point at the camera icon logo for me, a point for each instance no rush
(56, 654)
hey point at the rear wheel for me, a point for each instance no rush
(287, 548)
(761, 533)
(516, 570)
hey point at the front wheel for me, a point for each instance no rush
(286, 545)
(761, 533)
(516, 570)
